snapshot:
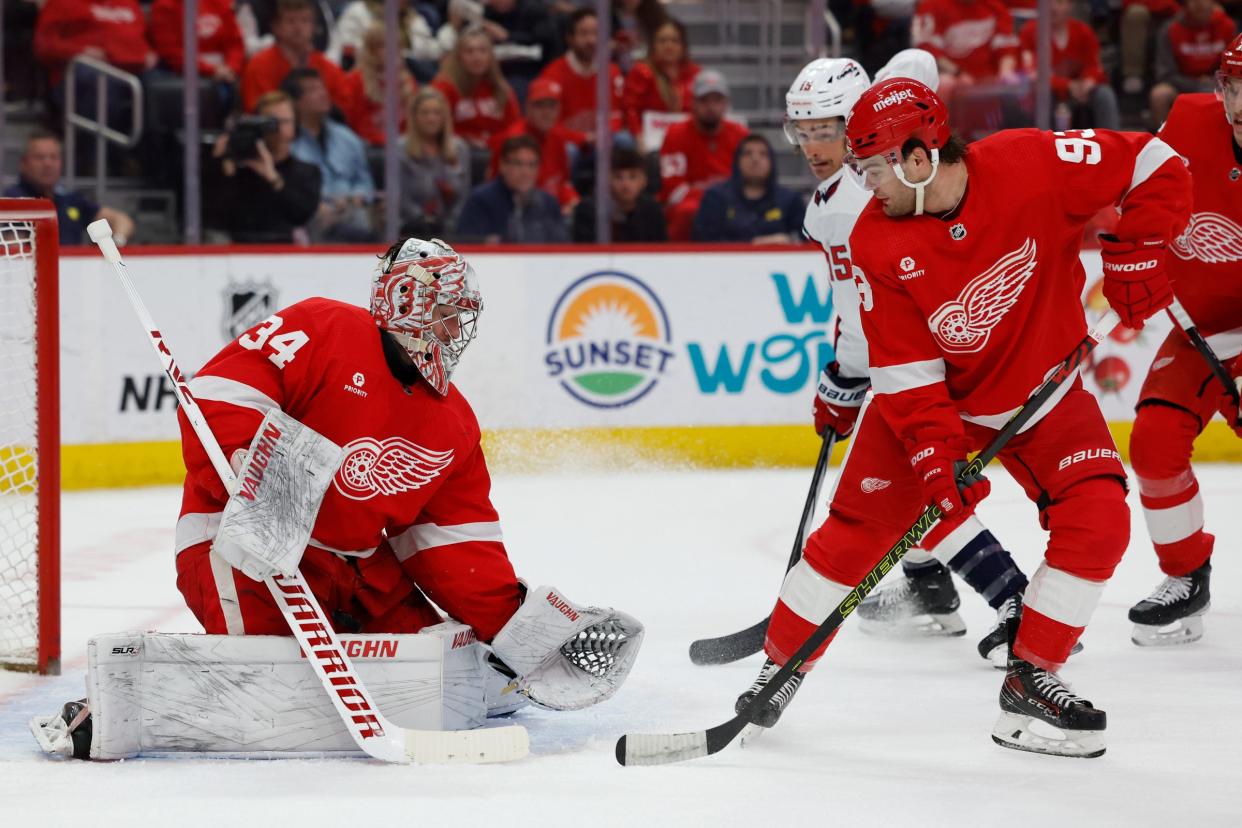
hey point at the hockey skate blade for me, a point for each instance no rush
(1013, 731)
(459, 747)
(660, 748)
(751, 734)
(1182, 631)
(916, 626)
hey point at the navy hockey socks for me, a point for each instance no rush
(989, 569)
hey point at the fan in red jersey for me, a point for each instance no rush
(408, 515)
(1180, 394)
(969, 277)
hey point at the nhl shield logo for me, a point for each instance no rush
(958, 231)
(246, 304)
(1235, 174)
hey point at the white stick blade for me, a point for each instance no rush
(662, 748)
(457, 747)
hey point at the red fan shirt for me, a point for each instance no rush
(966, 313)
(1205, 262)
(413, 474)
(578, 94)
(479, 115)
(267, 70)
(66, 28)
(689, 159)
(365, 116)
(1075, 56)
(1197, 48)
(642, 94)
(554, 144)
(219, 40)
(974, 35)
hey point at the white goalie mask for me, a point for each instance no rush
(825, 88)
(426, 295)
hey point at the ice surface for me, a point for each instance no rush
(883, 733)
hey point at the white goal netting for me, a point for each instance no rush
(19, 456)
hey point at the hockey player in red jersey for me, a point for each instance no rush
(407, 516)
(1180, 394)
(968, 271)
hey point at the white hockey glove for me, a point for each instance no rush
(838, 400)
(567, 657)
(282, 481)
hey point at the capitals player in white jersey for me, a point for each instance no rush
(925, 601)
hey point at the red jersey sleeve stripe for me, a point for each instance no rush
(1150, 158)
(423, 536)
(893, 379)
(223, 389)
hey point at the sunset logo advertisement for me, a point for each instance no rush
(608, 340)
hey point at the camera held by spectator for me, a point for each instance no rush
(245, 135)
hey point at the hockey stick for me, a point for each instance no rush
(373, 733)
(660, 749)
(747, 642)
(1205, 350)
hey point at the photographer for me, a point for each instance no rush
(266, 193)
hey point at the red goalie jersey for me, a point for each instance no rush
(413, 480)
(985, 300)
(1205, 262)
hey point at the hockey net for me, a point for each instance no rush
(29, 437)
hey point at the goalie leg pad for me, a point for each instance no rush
(567, 657)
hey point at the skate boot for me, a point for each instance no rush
(1030, 695)
(775, 706)
(923, 602)
(1173, 614)
(67, 733)
(994, 646)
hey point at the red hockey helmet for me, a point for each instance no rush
(892, 112)
(1231, 59)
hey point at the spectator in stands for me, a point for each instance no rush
(635, 215)
(697, 153)
(511, 208)
(525, 35)
(1078, 80)
(664, 81)
(255, 19)
(435, 172)
(575, 72)
(364, 90)
(346, 188)
(634, 24)
(972, 41)
(293, 27)
(419, 44)
(557, 144)
(39, 177)
(750, 206)
(221, 51)
(481, 99)
(1136, 30)
(1188, 53)
(113, 31)
(269, 194)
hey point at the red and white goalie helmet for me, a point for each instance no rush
(427, 296)
(888, 115)
(825, 88)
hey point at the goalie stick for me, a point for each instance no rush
(1201, 344)
(747, 642)
(368, 727)
(665, 748)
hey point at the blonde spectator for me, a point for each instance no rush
(481, 100)
(364, 90)
(418, 42)
(435, 172)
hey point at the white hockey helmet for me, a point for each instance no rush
(825, 88)
(916, 64)
(427, 296)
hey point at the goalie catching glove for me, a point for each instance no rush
(566, 657)
(281, 482)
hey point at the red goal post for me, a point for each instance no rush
(29, 436)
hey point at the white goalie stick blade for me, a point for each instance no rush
(451, 747)
(1013, 730)
(661, 748)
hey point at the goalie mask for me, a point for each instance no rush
(427, 296)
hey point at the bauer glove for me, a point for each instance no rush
(838, 400)
(1135, 283)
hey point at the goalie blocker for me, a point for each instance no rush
(152, 694)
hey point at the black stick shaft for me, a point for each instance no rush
(1201, 344)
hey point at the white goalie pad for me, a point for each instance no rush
(268, 518)
(568, 657)
(154, 694)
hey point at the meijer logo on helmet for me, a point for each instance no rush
(892, 98)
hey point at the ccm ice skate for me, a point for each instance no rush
(1173, 613)
(923, 603)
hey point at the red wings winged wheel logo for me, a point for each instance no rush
(963, 325)
(1211, 238)
(387, 467)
